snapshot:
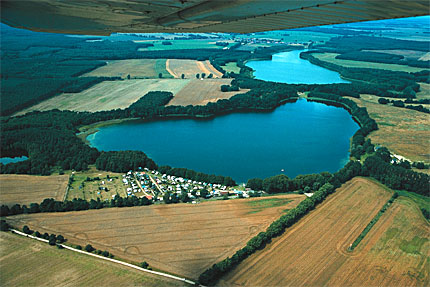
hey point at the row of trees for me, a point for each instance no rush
(51, 205)
(197, 176)
(52, 238)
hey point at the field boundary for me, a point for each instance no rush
(110, 259)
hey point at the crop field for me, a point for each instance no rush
(25, 189)
(108, 95)
(183, 44)
(201, 92)
(27, 262)
(135, 68)
(190, 68)
(330, 57)
(403, 131)
(184, 239)
(408, 54)
(87, 184)
(424, 92)
(314, 251)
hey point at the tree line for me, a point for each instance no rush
(197, 176)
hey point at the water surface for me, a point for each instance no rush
(299, 138)
(288, 67)
(6, 160)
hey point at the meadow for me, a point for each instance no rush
(180, 238)
(403, 131)
(314, 251)
(27, 262)
(331, 58)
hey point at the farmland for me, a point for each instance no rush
(26, 262)
(183, 44)
(331, 57)
(201, 92)
(314, 251)
(403, 131)
(182, 238)
(108, 95)
(231, 67)
(25, 189)
(135, 68)
(190, 68)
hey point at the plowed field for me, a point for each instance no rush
(184, 238)
(314, 251)
(25, 189)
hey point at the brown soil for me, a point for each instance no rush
(25, 189)
(183, 238)
(177, 67)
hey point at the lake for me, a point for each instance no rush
(6, 160)
(299, 138)
(288, 67)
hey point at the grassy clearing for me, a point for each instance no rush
(184, 44)
(135, 68)
(330, 57)
(81, 188)
(26, 189)
(231, 67)
(405, 132)
(262, 204)
(27, 262)
(109, 95)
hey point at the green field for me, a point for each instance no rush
(183, 44)
(291, 36)
(231, 67)
(135, 68)
(27, 262)
(262, 204)
(89, 189)
(331, 57)
(109, 95)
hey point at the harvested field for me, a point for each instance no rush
(403, 131)
(424, 92)
(27, 262)
(190, 68)
(25, 189)
(312, 251)
(108, 95)
(184, 239)
(331, 58)
(136, 68)
(201, 92)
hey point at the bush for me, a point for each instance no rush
(4, 226)
(144, 265)
(89, 248)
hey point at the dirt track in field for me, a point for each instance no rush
(313, 252)
(25, 189)
(201, 92)
(184, 238)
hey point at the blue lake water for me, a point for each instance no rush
(6, 160)
(287, 67)
(301, 138)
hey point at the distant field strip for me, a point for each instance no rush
(109, 95)
(135, 68)
(313, 250)
(190, 68)
(201, 92)
(331, 58)
(182, 238)
(26, 189)
(27, 262)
